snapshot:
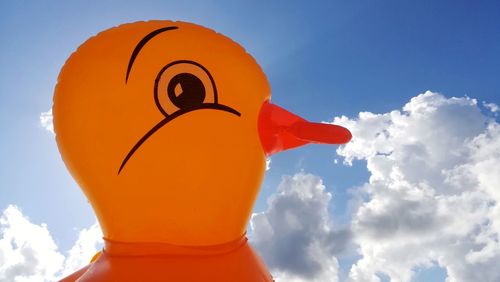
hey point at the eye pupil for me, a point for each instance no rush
(186, 90)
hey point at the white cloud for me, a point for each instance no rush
(268, 163)
(433, 196)
(295, 235)
(492, 107)
(28, 251)
(89, 242)
(46, 120)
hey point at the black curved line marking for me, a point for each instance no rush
(158, 77)
(142, 43)
(169, 118)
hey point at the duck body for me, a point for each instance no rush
(240, 264)
(157, 122)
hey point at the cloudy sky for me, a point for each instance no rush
(414, 197)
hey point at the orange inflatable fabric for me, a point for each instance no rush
(166, 127)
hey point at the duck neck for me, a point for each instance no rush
(117, 248)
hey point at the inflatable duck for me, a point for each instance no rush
(166, 127)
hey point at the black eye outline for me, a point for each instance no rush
(169, 117)
(157, 82)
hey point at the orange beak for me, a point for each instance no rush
(280, 130)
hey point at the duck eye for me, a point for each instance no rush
(183, 85)
(186, 90)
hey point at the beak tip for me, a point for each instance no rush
(348, 136)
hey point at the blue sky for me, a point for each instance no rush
(324, 59)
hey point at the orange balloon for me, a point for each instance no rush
(160, 124)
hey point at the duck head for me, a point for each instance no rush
(166, 127)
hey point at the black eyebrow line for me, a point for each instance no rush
(142, 43)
